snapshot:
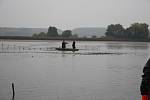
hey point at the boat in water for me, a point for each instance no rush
(66, 49)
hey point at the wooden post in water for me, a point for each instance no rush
(13, 89)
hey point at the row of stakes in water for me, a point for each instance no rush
(5, 48)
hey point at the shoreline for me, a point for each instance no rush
(46, 39)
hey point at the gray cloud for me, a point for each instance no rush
(1, 1)
(73, 13)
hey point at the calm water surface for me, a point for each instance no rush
(98, 71)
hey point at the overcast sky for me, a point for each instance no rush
(69, 14)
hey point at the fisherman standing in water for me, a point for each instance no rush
(145, 84)
(74, 44)
(63, 44)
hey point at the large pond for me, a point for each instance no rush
(98, 71)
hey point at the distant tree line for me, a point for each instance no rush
(135, 31)
(53, 32)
